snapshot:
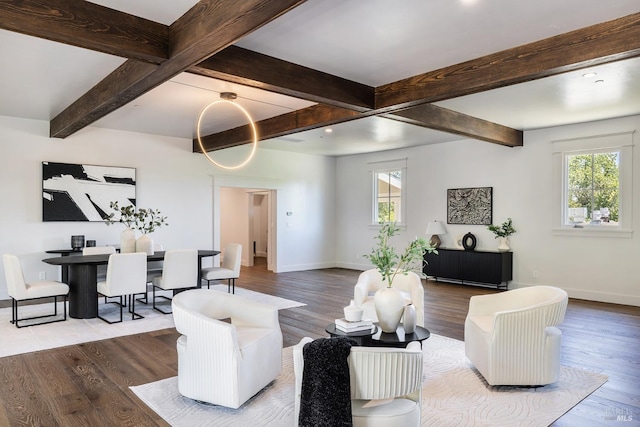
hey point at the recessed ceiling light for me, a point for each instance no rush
(599, 81)
(328, 130)
(589, 75)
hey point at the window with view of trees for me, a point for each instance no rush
(594, 180)
(388, 196)
(593, 183)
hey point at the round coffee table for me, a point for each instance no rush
(399, 338)
(377, 338)
(358, 336)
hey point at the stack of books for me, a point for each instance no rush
(345, 326)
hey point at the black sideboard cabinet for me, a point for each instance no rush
(471, 267)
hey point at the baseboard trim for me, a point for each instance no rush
(353, 266)
(302, 267)
(590, 295)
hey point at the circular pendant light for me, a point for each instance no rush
(227, 98)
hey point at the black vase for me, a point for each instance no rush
(77, 242)
(469, 242)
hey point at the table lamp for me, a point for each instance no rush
(435, 228)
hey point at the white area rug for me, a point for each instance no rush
(454, 394)
(281, 303)
(75, 331)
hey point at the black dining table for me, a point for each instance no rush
(82, 279)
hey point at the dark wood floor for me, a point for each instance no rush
(87, 384)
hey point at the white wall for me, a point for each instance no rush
(329, 223)
(304, 187)
(170, 178)
(596, 268)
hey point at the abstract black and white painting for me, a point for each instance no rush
(472, 206)
(72, 192)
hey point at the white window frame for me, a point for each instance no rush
(382, 167)
(562, 150)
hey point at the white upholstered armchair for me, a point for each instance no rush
(371, 280)
(511, 337)
(390, 376)
(225, 363)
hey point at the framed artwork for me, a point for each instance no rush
(471, 206)
(72, 192)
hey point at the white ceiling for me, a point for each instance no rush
(372, 42)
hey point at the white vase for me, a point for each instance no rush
(503, 245)
(145, 244)
(127, 241)
(409, 319)
(353, 313)
(389, 304)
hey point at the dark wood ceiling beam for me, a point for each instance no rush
(595, 45)
(208, 27)
(248, 68)
(87, 25)
(126, 81)
(442, 119)
(211, 25)
(308, 118)
(317, 116)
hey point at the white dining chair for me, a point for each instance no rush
(229, 269)
(154, 269)
(180, 271)
(99, 250)
(19, 290)
(126, 277)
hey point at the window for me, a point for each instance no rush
(593, 184)
(594, 176)
(388, 192)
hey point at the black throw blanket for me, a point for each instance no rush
(326, 392)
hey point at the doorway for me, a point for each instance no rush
(259, 227)
(247, 216)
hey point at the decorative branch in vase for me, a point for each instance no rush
(388, 301)
(127, 215)
(147, 221)
(144, 220)
(503, 232)
(384, 257)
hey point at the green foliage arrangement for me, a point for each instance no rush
(149, 220)
(389, 263)
(504, 230)
(145, 220)
(128, 215)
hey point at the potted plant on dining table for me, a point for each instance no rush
(148, 221)
(126, 215)
(145, 220)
